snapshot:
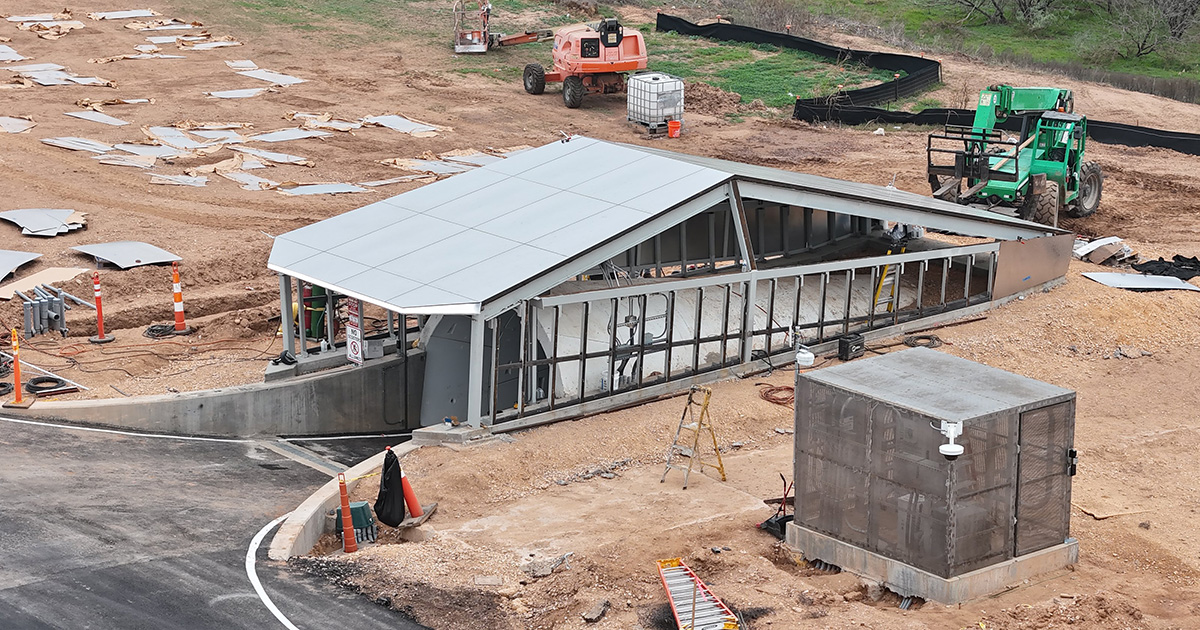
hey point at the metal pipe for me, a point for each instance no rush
(495, 385)
(583, 344)
(286, 314)
(554, 356)
(699, 333)
(846, 314)
(821, 315)
(670, 334)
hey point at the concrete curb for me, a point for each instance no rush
(301, 531)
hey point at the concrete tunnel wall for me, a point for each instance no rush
(366, 399)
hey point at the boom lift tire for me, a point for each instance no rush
(950, 195)
(1091, 186)
(1042, 208)
(534, 78)
(573, 92)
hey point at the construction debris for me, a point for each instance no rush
(155, 150)
(41, 17)
(163, 25)
(10, 260)
(292, 188)
(99, 117)
(97, 104)
(51, 29)
(323, 121)
(35, 67)
(117, 159)
(403, 124)
(274, 78)
(284, 135)
(242, 65)
(123, 15)
(271, 156)
(244, 93)
(127, 254)
(433, 167)
(44, 222)
(224, 166)
(396, 180)
(209, 45)
(78, 144)
(1137, 282)
(54, 74)
(7, 54)
(178, 180)
(141, 55)
(16, 124)
(248, 181)
(1110, 250)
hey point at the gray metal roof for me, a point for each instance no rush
(883, 202)
(451, 245)
(938, 385)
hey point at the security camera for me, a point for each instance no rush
(951, 430)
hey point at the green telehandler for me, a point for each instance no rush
(1036, 174)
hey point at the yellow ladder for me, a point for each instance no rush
(696, 423)
(887, 282)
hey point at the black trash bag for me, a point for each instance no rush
(389, 506)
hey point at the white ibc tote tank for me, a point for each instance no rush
(655, 98)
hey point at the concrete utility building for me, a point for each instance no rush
(583, 274)
(877, 493)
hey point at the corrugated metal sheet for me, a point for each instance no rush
(451, 245)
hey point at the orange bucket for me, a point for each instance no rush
(673, 127)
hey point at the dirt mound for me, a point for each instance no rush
(1092, 611)
(702, 98)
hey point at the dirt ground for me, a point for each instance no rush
(503, 500)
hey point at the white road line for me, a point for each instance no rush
(250, 573)
(130, 433)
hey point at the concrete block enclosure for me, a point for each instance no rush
(870, 477)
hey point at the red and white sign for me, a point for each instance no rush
(354, 349)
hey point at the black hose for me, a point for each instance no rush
(159, 331)
(922, 341)
(6, 389)
(40, 384)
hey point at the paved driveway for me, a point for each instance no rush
(102, 531)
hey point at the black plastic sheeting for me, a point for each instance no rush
(921, 73)
(1098, 130)
(853, 107)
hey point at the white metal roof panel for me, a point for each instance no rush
(451, 245)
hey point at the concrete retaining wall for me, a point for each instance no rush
(366, 399)
(301, 531)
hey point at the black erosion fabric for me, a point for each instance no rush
(1180, 267)
(853, 107)
(920, 73)
(389, 506)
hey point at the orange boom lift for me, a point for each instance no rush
(589, 58)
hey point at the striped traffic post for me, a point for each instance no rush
(180, 327)
(100, 336)
(16, 348)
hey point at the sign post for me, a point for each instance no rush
(354, 341)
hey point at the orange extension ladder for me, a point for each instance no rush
(694, 606)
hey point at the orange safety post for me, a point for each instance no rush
(180, 327)
(100, 336)
(410, 497)
(349, 544)
(16, 348)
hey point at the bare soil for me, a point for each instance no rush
(503, 500)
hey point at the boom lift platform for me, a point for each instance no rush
(472, 29)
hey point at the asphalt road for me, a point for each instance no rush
(102, 531)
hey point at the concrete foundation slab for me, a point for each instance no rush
(908, 581)
(442, 434)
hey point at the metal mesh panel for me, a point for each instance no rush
(1043, 484)
(982, 495)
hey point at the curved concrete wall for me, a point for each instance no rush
(366, 399)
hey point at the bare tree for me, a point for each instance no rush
(1033, 11)
(1140, 25)
(1180, 15)
(992, 11)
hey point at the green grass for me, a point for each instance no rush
(1076, 33)
(776, 76)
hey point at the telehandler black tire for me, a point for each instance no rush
(534, 78)
(1042, 208)
(1091, 186)
(573, 92)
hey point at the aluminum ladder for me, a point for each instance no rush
(696, 424)
(885, 291)
(694, 606)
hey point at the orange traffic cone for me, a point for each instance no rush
(349, 544)
(410, 497)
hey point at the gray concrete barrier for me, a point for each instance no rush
(367, 399)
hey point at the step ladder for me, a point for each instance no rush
(885, 291)
(692, 426)
(694, 606)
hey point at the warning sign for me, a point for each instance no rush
(354, 350)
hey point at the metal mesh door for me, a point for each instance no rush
(1043, 482)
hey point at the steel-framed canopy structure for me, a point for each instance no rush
(483, 240)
